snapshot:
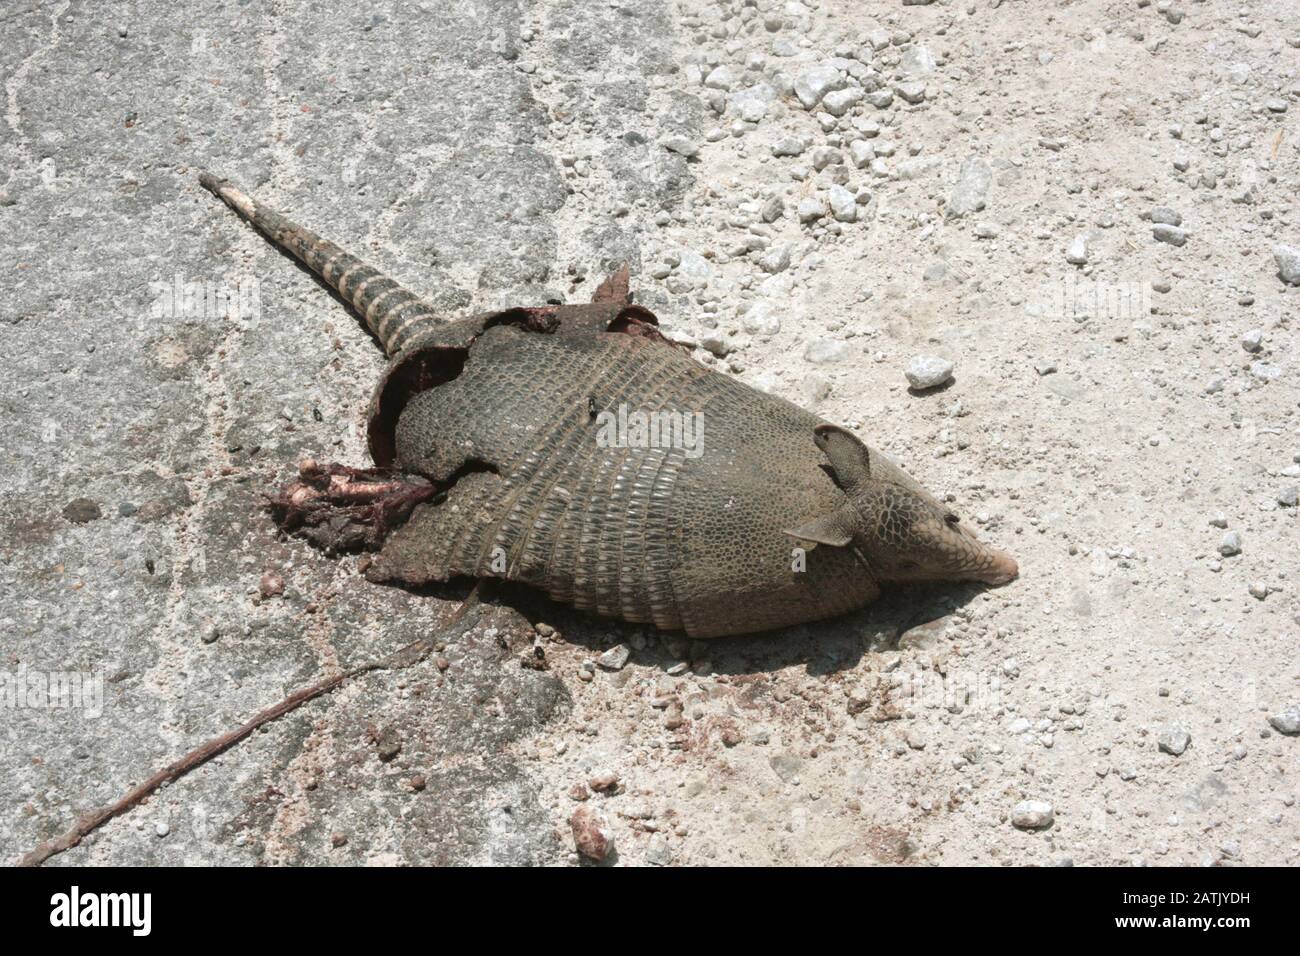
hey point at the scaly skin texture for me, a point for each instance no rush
(392, 314)
(491, 432)
(649, 535)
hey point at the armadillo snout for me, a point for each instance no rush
(1003, 569)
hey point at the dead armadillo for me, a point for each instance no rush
(521, 444)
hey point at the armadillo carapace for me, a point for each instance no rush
(573, 448)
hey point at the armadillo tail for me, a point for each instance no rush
(394, 315)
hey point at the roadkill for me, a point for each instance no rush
(526, 444)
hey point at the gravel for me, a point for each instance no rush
(752, 104)
(814, 84)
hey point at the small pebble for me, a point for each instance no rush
(1076, 253)
(928, 371)
(271, 584)
(1231, 544)
(1174, 740)
(1288, 263)
(1287, 722)
(592, 835)
(615, 658)
(1032, 815)
(1170, 234)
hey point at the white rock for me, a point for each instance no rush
(681, 145)
(694, 266)
(813, 84)
(811, 209)
(971, 190)
(717, 343)
(759, 320)
(824, 156)
(1076, 253)
(839, 102)
(917, 61)
(1174, 740)
(1170, 234)
(928, 371)
(821, 351)
(1288, 263)
(776, 259)
(917, 166)
(1032, 815)
(1287, 722)
(720, 79)
(1265, 371)
(751, 105)
(844, 205)
(861, 153)
(913, 91)
(615, 658)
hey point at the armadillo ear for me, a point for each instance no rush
(848, 456)
(834, 529)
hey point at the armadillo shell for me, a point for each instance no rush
(506, 415)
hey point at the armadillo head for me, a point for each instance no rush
(895, 526)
